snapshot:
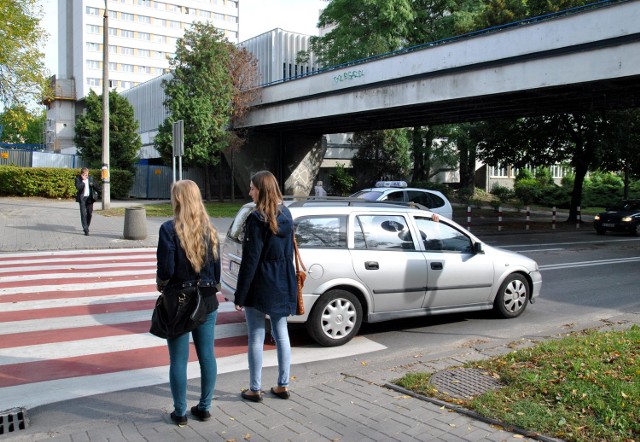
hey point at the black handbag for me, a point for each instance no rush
(181, 308)
(178, 310)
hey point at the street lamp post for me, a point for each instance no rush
(106, 190)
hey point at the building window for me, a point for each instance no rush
(93, 81)
(127, 68)
(144, 36)
(113, 66)
(144, 69)
(93, 47)
(127, 17)
(113, 14)
(113, 32)
(113, 49)
(158, 38)
(144, 19)
(174, 24)
(146, 3)
(231, 19)
(92, 11)
(499, 171)
(93, 29)
(143, 53)
(217, 16)
(126, 51)
(158, 71)
(93, 64)
(127, 34)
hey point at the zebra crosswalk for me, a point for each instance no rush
(75, 323)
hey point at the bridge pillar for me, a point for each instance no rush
(294, 159)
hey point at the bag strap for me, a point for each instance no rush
(298, 260)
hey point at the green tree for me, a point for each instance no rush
(21, 125)
(578, 139)
(361, 28)
(23, 76)
(208, 91)
(383, 154)
(124, 141)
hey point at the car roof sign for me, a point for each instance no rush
(400, 184)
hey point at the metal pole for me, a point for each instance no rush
(106, 187)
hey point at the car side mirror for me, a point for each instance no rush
(478, 248)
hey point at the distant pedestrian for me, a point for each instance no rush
(188, 251)
(267, 281)
(86, 196)
(319, 190)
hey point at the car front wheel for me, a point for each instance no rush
(335, 318)
(512, 297)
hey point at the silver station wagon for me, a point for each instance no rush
(376, 261)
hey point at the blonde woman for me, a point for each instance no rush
(187, 249)
(267, 281)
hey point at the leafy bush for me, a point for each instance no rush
(50, 182)
(527, 190)
(503, 195)
(341, 181)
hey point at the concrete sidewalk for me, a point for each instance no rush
(346, 399)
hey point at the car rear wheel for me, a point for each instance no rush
(512, 297)
(600, 231)
(635, 231)
(335, 318)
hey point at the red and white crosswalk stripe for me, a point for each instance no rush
(76, 323)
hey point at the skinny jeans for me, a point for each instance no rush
(203, 339)
(280, 333)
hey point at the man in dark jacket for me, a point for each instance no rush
(86, 196)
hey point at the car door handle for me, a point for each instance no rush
(371, 265)
(436, 266)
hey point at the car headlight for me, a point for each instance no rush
(626, 219)
(596, 218)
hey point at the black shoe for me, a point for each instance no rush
(202, 415)
(180, 421)
(86, 233)
(253, 396)
(281, 394)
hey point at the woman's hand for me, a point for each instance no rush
(239, 308)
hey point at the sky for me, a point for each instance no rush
(256, 17)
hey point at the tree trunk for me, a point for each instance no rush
(576, 194)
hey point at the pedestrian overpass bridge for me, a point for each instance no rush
(587, 61)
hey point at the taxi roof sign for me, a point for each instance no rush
(391, 184)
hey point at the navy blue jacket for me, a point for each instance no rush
(267, 277)
(174, 269)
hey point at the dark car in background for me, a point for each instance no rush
(623, 217)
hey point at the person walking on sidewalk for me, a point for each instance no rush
(86, 195)
(187, 249)
(267, 282)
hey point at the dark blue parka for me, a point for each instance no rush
(174, 268)
(267, 278)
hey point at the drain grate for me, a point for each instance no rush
(464, 383)
(13, 420)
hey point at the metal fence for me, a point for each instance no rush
(28, 158)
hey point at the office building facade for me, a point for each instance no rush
(142, 36)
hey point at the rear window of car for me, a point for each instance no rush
(324, 232)
(386, 232)
(426, 199)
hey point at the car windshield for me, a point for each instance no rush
(626, 206)
(369, 195)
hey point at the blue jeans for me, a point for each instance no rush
(203, 338)
(256, 325)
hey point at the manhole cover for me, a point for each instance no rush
(464, 383)
(13, 420)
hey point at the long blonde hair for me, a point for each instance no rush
(192, 223)
(269, 197)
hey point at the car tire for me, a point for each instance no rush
(513, 296)
(335, 318)
(601, 231)
(635, 231)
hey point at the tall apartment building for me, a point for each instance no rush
(142, 35)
